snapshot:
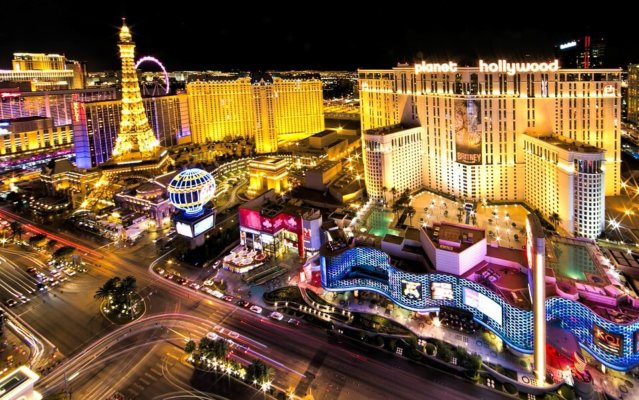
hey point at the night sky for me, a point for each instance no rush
(332, 37)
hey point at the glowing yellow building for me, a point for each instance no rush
(633, 93)
(265, 109)
(266, 173)
(29, 135)
(474, 121)
(41, 71)
(38, 61)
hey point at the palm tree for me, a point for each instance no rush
(17, 229)
(108, 290)
(384, 190)
(555, 219)
(396, 208)
(258, 373)
(220, 349)
(394, 193)
(126, 289)
(410, 211)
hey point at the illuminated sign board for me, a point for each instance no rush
(636, 342)
(607, 341)
(203, 226)
(513, 68)
(567, 45)
(433, 67)
(441, 291)
(502, 66)
(183, 229)
(412, 290)
(484, 304)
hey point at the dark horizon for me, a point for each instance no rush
(337, 38)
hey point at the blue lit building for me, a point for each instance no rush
(345, 267)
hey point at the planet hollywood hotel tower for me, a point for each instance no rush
(498, 131)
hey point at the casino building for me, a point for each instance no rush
(489, 132)
(451, 266)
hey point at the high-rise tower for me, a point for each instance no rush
(136, 139)
(137, 153)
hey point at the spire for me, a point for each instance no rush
(125, 33)
(136, 139)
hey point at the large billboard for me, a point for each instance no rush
(253, 220)
(484, 304)
(608, 341)
(411, 290)
(467, 130)
(442, 291)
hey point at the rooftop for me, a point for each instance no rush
(452, 237)
(386, 130)
(562, 143)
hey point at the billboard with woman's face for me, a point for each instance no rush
(467, 126)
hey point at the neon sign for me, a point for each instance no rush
(567, 45)
(513, 68)
(434, 67)
(608, 341)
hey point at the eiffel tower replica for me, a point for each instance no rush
(137, 154)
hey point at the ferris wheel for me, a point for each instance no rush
(155, 87)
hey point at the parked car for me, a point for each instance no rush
(242, 303)
(228, 298)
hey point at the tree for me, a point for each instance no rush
(220, 349)
(108, 289)
(51, 243)
(63, 252)
(555, 219)
(125, 289)
(189, 347)
(410, 211)
(394, 193)
(384, 190)
(259, 373)
(397, 207)
(17, 229)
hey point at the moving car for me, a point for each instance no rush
(293, 321)
(276, 315)
(256, 309)
(10, 302)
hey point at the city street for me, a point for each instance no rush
(69, 317)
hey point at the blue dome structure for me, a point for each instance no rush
(190, 190)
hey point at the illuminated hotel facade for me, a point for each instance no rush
(633, 93)
(96, 125)
(262, 109)
(40, 71)
(56, 104)
(29, 135)
(474, 122)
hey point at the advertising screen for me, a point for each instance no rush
(203, 226)
(412, 290)
(484, 304)
(183, 229)
(636, 342)
(607, 341)
(468, 131)
(441, 291)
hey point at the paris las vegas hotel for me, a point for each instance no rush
(499, 131)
